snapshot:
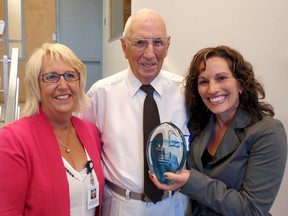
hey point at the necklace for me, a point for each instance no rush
(71, 174)
(65, 146)
(62, 144)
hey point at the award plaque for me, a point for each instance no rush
(166, 150)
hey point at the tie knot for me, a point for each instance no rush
(148, 89)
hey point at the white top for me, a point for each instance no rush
(78, 187)
(117, 111)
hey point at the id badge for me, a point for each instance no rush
(93, 196)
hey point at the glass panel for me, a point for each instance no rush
(14, 27)
(120, 10)
(15, 45)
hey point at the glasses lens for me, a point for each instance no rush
(141, 43)
(50, 77)
(159, 42)
(71, 76)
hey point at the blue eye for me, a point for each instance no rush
(51, 77)
(69, 76)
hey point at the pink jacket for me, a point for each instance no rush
(32, 176)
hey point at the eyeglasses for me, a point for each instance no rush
(141, 44)
(52, 77)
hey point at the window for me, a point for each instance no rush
(120, 10)
(14, 29)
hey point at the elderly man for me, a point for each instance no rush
(117, 111)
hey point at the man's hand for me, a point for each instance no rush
(177, 180)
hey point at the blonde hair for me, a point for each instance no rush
(56, 52)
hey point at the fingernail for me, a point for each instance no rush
(165, 175)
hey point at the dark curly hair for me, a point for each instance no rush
(243, 72)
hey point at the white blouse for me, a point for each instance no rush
(79, 188)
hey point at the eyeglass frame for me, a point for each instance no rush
(149, 41)
(59, 76)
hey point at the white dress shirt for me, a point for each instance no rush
(117, 111)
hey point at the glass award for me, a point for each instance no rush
(166, 150)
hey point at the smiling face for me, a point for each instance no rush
(218, 88)
(146, 63)
(60, 98)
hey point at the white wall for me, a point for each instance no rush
(258, 29)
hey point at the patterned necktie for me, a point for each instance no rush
(151, 119)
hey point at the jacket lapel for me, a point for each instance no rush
(229, 143)
(232, 138)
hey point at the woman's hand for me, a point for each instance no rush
(177, 180)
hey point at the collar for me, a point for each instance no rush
(242, 119)
(134, 84)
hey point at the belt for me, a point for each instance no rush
(133, 195)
